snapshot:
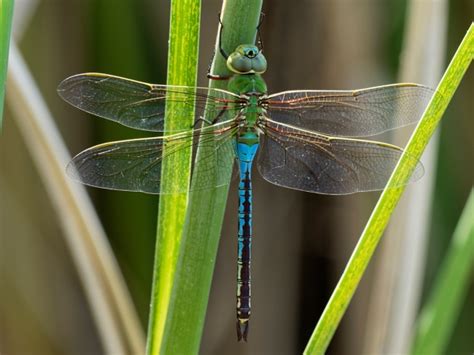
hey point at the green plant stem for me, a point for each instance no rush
(389, 198)
(176, 170)
(6, 16)
(206, 208)
(435, 324)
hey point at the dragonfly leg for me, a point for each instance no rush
(223, 53)
(201, 119)
(221, 50)
(219, 115)
(209, 122)
(217, 77)
(259, 35)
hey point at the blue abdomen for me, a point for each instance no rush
(246, 154)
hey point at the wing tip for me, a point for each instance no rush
(65, 84)
(72, 172)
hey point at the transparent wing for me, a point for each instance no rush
(316, 163)
(357, 113)
(141, 105)
(135, 165)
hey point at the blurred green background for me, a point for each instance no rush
(302, 241)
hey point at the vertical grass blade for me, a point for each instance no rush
(176, 171)
(205, 213)
(389, 198)
(437, 319)
(6, 16)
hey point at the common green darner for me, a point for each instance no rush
(304, 138)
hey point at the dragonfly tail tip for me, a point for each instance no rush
(242, 329)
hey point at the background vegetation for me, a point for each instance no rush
(302, 241)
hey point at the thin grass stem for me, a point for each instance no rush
(389, 198)
(198, 249)
(176, 170)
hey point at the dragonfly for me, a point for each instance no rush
(307, 140)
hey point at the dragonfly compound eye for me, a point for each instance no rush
(247, 59)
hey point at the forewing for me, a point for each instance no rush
(135, 165)
(141, 105)
(356, 113)
(327, 165)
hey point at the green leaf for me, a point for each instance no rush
(192, 278)
(6, 16)
(389, 198)
(176, 170)
(438, 316)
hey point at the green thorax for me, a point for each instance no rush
(252, 87)
(247, 84)
(247, 63)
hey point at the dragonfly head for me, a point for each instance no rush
(247, 59)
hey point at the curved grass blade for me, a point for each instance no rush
(111, 306)
(389, 198)
(438, 316)
(401, 258)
